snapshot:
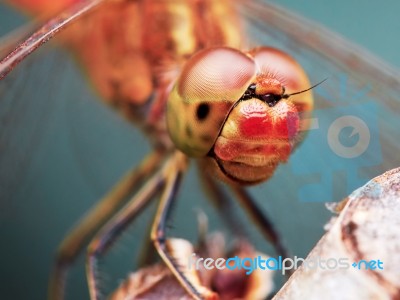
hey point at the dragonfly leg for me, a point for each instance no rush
(158, 233)
(260, 219)
(105, 238)
(148, 253)
(76, 240)
(221, 202)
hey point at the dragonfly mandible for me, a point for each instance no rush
(356, 83)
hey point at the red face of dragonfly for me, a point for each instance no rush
(263, 128)
(237, 110)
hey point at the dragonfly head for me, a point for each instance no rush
(240, 111)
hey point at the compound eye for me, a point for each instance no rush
(210, 84)
(216, 74)
(292, 75)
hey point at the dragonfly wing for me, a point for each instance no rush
(354, 136)
(317, 42)
(45, 33)
(61, 149)
(24, 118)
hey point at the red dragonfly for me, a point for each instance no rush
(358, 85)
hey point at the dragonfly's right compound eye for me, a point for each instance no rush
(210, 84)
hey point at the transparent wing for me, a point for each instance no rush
(61, 149)
(354, 136)
(45, 33)
(31, 97)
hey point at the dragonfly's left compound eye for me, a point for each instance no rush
(210, 84)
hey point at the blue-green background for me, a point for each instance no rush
(70, 149)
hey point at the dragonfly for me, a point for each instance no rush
(359, 87)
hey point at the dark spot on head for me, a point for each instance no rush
(189, 132)
(271, 99)
(202, 111)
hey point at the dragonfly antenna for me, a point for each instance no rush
(296, 93)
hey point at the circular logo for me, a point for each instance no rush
(359, 128)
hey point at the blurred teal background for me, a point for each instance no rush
(65, 150)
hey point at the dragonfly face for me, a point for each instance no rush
(231, 106)
(82, 150)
